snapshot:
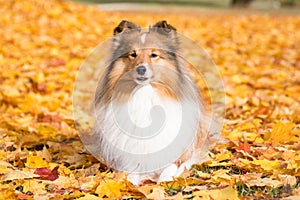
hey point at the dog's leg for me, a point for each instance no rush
(184, 166)
(168, 173)
(135, 179)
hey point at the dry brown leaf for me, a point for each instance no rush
(260, 182)
(157, 193)
(18, 175)
(287, 179)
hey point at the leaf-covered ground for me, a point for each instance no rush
(42, 44)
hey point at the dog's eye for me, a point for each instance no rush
(133, 55)
(153, 55)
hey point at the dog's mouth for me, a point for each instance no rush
(142, 78)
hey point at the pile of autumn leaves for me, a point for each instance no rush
(42, 45)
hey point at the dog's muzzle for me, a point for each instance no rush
(143, 74)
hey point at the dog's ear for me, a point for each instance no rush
(168, 32)
(165, 26)
(125, 26)
(162, 27)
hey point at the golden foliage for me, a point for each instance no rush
(42, 45)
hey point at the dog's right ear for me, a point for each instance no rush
(125, 26)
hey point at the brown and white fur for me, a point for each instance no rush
(146, 70)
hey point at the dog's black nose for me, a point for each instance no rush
(141, 70)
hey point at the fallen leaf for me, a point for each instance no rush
(260, 182)
(218, 194)
(5, 167)
(157, 193)
(110, 189)
(34, 186)
(18, 175)
(268, 165)
(244, 146)
(36, 162)
(47, 174)
(22, 196)
(287, 179)
(221, 176)
(45, 154)
(250, 176)
(42, 171)
(281, 133)
(89, 197)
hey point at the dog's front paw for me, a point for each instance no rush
(135, 179)
(168, 173)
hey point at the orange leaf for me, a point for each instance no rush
(244, 146)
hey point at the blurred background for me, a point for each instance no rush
(263, 5)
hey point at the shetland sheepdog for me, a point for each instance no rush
(150, 119)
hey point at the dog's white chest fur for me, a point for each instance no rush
(145, 124)
(158, 127)
(141, 135)
(131, 131)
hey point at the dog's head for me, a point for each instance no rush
(145, 57)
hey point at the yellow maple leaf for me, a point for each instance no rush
(33, 186)
(221, 176)
(4, 169)
(280, 133)
(226, 155)
(268, 165)
(110, 189)
(36, 162)
(220, 194)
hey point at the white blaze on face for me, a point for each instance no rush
(143, 38)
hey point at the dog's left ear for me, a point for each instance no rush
(165, 26)
(162, 27)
